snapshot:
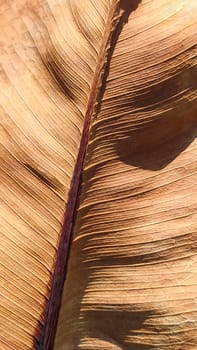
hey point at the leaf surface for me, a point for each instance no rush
(131, 277)
(131, 281)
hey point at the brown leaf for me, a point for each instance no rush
(114, 81)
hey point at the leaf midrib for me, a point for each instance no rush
(48, 331)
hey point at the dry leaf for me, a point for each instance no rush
(124, 72)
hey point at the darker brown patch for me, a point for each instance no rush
(42, 177)
(56, 71)
(127, 321)
(158, 143)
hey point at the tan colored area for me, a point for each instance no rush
(132, 273)
(48, 56)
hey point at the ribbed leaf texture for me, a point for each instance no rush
(98, 125)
